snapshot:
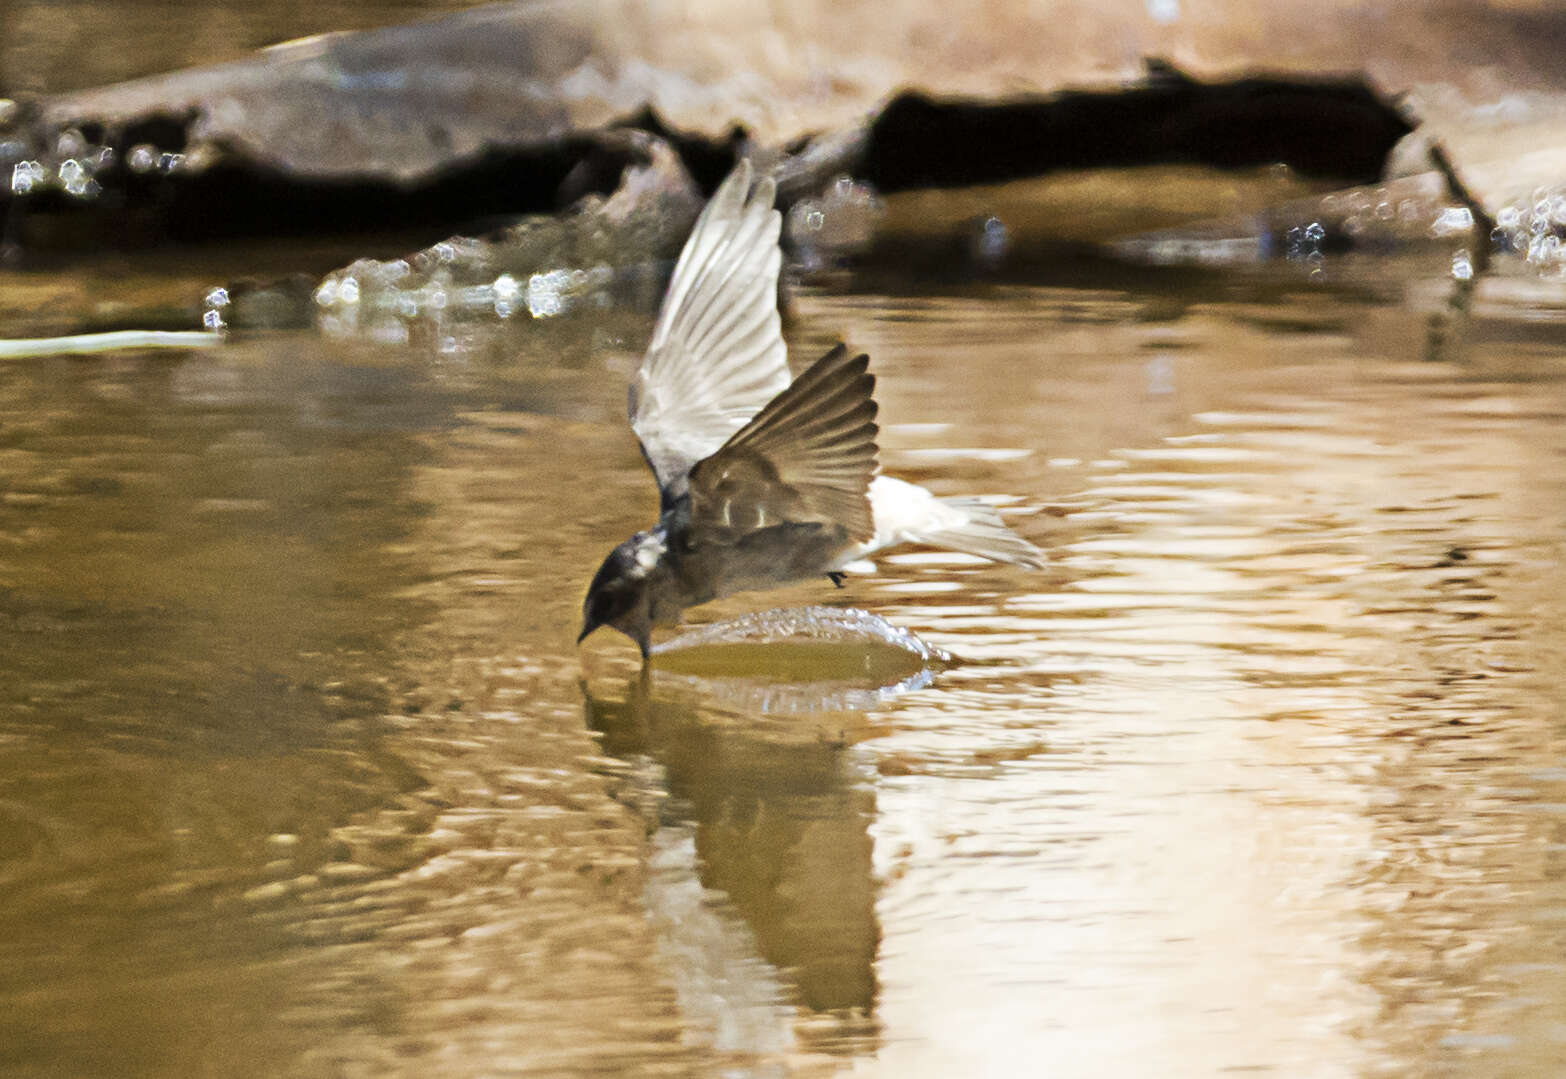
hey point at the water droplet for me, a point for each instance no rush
(543, 294)
(992, 240)
(142, 158)
(76, 180)
(69, 143)
(1303, 242)
(841, 222)
(1545, 251)
(26, 175)
(506, 288)
(1453, 220)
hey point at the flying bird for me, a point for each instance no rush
(762, 479)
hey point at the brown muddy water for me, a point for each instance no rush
(301, 773)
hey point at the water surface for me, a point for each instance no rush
(302, 774)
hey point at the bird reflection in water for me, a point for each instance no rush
(755, 763)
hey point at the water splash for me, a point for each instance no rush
(1534, 228)
(456, 280)
(607, 251)
(837, 625)
(67, 162)
(802, 660)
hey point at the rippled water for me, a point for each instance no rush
(301, 773)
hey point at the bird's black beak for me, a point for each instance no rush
(643, 640)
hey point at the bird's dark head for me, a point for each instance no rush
(619, 596)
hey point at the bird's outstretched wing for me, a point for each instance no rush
(807, 457)
(717, 354)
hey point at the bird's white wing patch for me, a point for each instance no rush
(717, 354)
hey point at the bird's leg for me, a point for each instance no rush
(836, 577)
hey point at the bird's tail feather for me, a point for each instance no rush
(983, 534)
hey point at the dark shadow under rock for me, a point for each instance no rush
(1337, 129)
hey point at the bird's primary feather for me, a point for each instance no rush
(717, 354)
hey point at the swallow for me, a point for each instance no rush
(763, 479)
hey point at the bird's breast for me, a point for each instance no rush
(719, 564)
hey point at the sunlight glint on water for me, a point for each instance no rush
(1165, 815)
